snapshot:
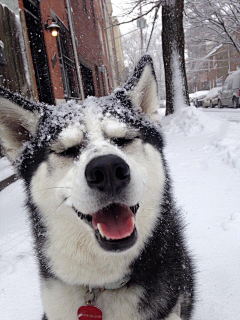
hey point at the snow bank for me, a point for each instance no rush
(223, 135)
(228, 147)
(229, 151)
(190, 121)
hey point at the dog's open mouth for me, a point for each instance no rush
(114, 226)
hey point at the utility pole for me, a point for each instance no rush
(141, 23)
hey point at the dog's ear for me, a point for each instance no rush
(17, 125)
(142, 87)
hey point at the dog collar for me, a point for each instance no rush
(89, 310)
(113, 285)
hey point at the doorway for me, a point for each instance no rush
(38, 50)
(87, 78)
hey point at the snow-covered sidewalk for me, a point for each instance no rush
(6, 170)
(203, 152)
(204, 156)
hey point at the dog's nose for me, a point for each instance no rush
(108, 173)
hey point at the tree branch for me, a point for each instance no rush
(155, 18)
(158, 3)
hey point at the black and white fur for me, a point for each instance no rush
(51, 148)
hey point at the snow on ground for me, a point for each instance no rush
(206, 182)
(19, 285)
(6, 169)
(207, 187)
(229, 114)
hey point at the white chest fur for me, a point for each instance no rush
(61, 301)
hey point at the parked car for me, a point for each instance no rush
(197, 97)
(229, 96)
(191, 98)
(211, 99)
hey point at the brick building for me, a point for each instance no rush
(214, 67)
(74, 64)
(222, 61)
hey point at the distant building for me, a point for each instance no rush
(73, 65)
(119, 58)
(114, 44)
(213, 68)
(222, 61)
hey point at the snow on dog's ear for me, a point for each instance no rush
(17, 124)
(142, 87)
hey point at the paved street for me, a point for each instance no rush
(232, 115)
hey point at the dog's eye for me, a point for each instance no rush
(121, 142)
(72, 152)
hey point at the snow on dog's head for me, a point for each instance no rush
(94, 174)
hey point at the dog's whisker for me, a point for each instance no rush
(54, 188)
(65, 199)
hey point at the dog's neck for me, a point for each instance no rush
(113, 285)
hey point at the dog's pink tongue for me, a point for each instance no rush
(117, 222)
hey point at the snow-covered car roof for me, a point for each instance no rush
(198, 94)
(213, 92)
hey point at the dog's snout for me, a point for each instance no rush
(108, 173)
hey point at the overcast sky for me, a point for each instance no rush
(119, 7)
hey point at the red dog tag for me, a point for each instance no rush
(89, 313)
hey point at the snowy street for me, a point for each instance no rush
(203, 152)
(229, 114)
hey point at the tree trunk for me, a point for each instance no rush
(173, 48)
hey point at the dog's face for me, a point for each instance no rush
(94, 173)
(98, 168)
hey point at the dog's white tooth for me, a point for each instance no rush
(133, 220)
(100, 230)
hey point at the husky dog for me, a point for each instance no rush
(105, 224)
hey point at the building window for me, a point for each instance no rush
(87, 78)
(93, 13)
(84, 4)
(104, 86)
(101, 38)
(98, 81)
(67, 63)
(104, 78)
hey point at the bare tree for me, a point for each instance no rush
(214, 21)
(132, 53)
(172, 46)
(173, 55)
